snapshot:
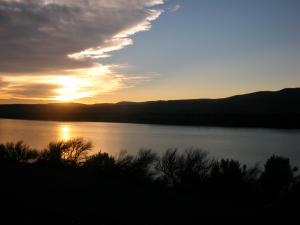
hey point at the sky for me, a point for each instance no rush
(108, 51)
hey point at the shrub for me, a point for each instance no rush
(19, 152)
(69, 152)
(142, 166)
(123, 162)
(100, 164)
(2, 151)
(230, 174)
(139, 168)
(193, 167)
(293, 196)
(189, 169)
(278, 175)
(77, 150)
(168, 165)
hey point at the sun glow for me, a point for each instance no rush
(72, 88)
(70, 85)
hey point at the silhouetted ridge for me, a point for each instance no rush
(279, 109)
(284, 95)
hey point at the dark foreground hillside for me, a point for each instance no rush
(31, 194)
(280, 109)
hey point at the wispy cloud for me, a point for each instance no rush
(175, 8)
(47, 38)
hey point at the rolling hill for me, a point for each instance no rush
(279, 109)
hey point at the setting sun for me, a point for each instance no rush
(71, 90)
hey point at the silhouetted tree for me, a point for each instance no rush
(71, 152)
(77, 150)
(278, 174)
(231, 175)
(186, 170)
(19, 151)
(143, 164)
(193, 167)
(139, 168)
(123, 162)
(2, 151)
(168, 165)
(100, 164)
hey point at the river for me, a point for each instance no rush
(248, 145)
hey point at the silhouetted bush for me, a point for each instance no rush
(191, 170)
(278, 175)
(2, 151)
(168, 165)
(293, 196)
(123, 162)
(229, 177)
(19, 152)
(139, 168)
(100, 164)
(194, 166)
(188, 170)
(143, 164)
(67, 152)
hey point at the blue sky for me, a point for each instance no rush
(171, 50)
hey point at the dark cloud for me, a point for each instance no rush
(38, 91)
(38, 35)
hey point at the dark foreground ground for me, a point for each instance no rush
(37, 195)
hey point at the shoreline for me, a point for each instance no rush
(286, 122)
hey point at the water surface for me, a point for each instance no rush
(248, 145)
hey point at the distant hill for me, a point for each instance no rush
(280, 109)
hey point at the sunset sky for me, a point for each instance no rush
(107, 51)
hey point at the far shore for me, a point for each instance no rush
(280, 109)
(234, 121)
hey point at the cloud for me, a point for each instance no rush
(47, 37)
(26, 88)
(38, 36)
(71, 84)
(175, 8)
(31, 91)
(2, 83)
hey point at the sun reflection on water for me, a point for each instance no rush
(64, 132)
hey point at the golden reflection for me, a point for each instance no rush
(64, 132)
